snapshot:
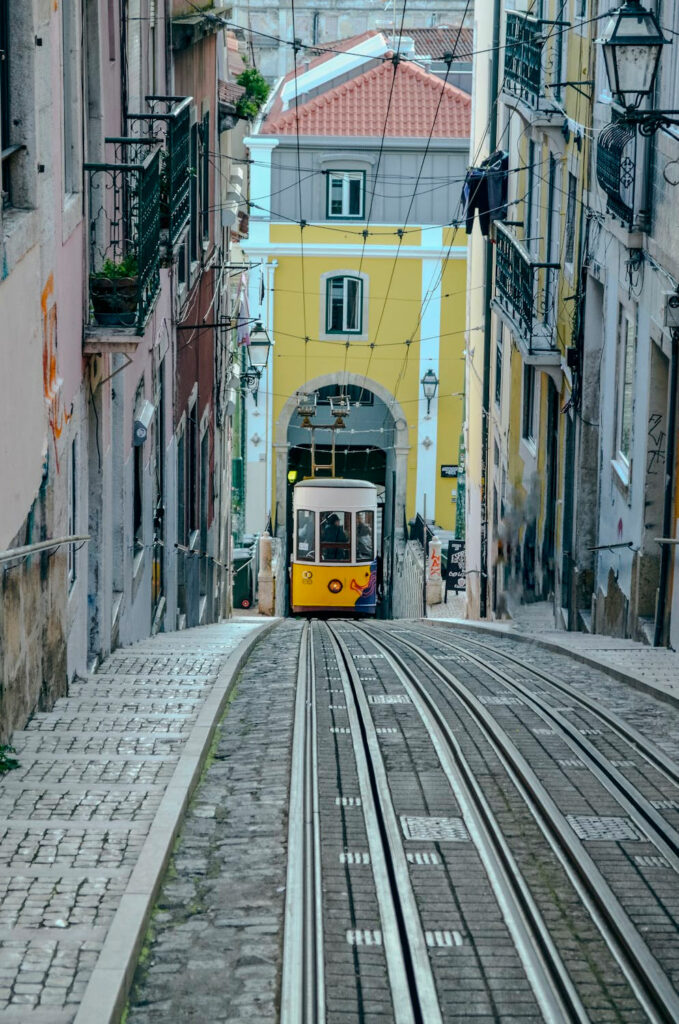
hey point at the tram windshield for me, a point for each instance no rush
(365, 533)
(335, 536)
(306, 535)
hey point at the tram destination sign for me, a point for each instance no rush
(449, 472)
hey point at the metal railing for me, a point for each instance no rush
(124, 223)
(43, 545)
(526, 297)
(533, 60)
(523, 57)
(169, 122)
(616, 168)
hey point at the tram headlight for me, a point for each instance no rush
(334, 586)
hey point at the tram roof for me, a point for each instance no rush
(335, 482)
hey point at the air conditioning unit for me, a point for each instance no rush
(671, 310)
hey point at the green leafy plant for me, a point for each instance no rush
(114, 269)
(7, 762)
(256, 92)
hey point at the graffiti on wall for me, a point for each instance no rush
(655, 456)
(57, 415)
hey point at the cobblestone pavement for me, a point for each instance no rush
(74, 816)
(214, 948)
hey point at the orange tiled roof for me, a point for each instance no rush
(434, 42)
(359, 107)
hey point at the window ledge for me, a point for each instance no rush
(621, 477)
(20, 232)
(529, 446)
(137, 564)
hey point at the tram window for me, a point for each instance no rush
(335, 536)
(365, 535)
(306, 535)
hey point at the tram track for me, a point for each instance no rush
(429, 686)
(650, 983)
(639, 807)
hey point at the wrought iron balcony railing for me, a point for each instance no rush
(616, 169)
(169, 122)
(124, 223)
(525, 292)
(530, 61)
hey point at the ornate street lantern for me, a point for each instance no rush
(632, 43)
(259, 347)
(430, 383)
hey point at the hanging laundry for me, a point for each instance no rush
(485, 192)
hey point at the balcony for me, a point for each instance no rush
(621, 158)
(169, 123)
(124, 224)
(531, 61)
(525, 297)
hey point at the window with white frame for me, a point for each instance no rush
(344, 305)
(528, 417)
(625, 385)
(345, 194)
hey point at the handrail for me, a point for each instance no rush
(43, 545)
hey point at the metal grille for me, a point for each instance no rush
(665, 805)
(347, 801)
(424, 858)
(443, 938)
(389, 698)
(450, 830)
(615, 168)
(364, 937)
(354, 857)
(499, 699)
(589, 827)
(651, 861)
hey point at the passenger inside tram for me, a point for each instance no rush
(335, 540)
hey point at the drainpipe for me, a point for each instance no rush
(667, 549)
(492, 143)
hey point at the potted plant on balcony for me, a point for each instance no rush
(114, 292)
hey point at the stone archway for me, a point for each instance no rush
(400, 432)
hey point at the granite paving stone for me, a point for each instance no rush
(75, 814)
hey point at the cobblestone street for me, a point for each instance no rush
(87, 818)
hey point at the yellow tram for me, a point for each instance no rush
(334, 555)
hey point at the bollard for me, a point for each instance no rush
(434, 579)
(265, 578)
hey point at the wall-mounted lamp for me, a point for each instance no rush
(632, 43)
(259, 347)
(430, 383)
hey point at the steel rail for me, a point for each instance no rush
(652, 987)
(645, 747)
(414, 995)
(303, 985)
(545, 970)
(639, 807)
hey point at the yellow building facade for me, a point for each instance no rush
(360, 305)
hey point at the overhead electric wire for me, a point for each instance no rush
(413, 197)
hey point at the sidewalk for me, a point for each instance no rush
(654, 670)
(89, 818)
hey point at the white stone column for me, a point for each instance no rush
(430, 328)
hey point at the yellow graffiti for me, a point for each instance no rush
(56, 414)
